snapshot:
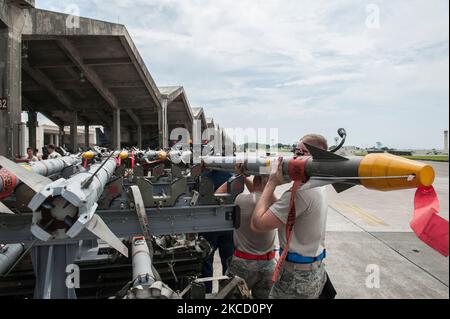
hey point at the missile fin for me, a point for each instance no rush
(319, 154)
(35, 181)
(340, 187)
(4, 209)
(98, 227)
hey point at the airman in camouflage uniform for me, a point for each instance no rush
(254, 257)
(256, 273)
(299, 283)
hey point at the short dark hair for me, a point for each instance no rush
(30, 148)
(315, 140)
(51, 146)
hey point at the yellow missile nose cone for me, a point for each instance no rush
(88, 155)
(426, 175)
(123, 155)
(395, 170)
(162, 156)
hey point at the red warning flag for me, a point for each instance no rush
(431, 228)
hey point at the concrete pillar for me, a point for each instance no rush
(74, 133)
(446, 142)
(51, 139)
(32, 126)
(163, 126)
(12, 20)
(86, 137)
(61, 136)
(23, 138)
(116, 130)
(139, 136)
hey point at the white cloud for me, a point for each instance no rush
(320, 79)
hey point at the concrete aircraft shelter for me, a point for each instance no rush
(80, 72)
(199, 115)
(176, 109)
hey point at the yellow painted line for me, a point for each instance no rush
(365, 216)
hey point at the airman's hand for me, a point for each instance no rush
(276, 177)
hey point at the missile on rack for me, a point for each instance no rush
(145, 284)
(9, 181)
(9, 255)
(63, 208)
(175, 156)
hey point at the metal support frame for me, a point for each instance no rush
(74, 133)
(139, 136)
(32, 126)
(125, 223)
(10, 79)
(49, 263)
(116, 129)
(163, 124)
(86, 136)
(61, 136)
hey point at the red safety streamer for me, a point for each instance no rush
(132, 159)
(431, 228)
(289, 226)
(297, 173)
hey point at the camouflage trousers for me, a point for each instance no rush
(299, 284)
(256, 273)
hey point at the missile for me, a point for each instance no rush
(67, 206)
(143, 276)
(155, 155)
(9, 181)
(9, 255)
(175, 156)
(384, 172)
(144, 284)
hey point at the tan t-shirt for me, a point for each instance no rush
(245, 239)
(308, 234)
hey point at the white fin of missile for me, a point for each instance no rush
(4, 209)
(35, 181)
(98, 227)
(322, 155)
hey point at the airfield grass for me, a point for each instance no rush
(433, 158)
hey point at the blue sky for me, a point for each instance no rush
(380, 69)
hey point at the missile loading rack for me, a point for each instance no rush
(166, 204)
